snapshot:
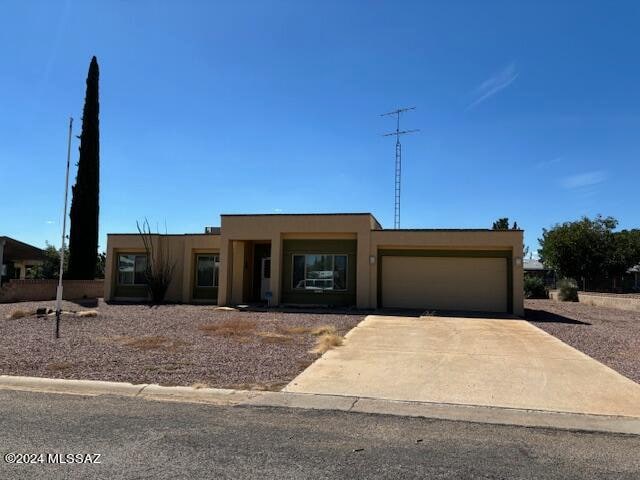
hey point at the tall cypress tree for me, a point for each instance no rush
(83, 236)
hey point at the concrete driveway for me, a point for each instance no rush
(475, 361)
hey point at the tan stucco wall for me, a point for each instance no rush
(31, 290)
(275, 228)
(181, 249)
(238, 229)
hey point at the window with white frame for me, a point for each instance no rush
(131, 269)
(207, 267)
(319, 272)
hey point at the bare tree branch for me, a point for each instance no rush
(160, 266)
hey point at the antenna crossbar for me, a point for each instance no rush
(398, 165)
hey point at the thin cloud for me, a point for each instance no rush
(54, 45)
(582, 180)
(50, 222)
(548, 163)
(494, 84)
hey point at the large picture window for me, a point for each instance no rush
(207, 267)
(131, 269)
(320, 272)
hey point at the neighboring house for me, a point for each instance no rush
(329, 259)
(535, 268)
(635, 271)
(18, 258)
(616, 283)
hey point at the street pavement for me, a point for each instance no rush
(139, 438)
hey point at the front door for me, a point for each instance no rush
(265, 278)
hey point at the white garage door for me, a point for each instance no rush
(445, 283)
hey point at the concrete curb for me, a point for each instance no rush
(250, 398)
(217, 396)
(503, 416)
(74, 387)
(455, 412)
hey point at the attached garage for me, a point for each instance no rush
(446, 280)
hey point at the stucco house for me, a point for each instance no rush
(635, 271)
(17, 258)
(535, 268)
(343, 259)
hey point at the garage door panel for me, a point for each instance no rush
(445, 283)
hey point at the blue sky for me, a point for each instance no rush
(529, 110)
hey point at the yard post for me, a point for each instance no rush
(64, 228)
(1, 259)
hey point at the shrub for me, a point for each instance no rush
(534, 288)
(324, 330)
(326, 342)
(568, 290)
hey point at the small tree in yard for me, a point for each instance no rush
(51, 264)
(160, 265)
(534, 287)
(568, 290)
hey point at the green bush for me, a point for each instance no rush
(568, 290)
(534, 287)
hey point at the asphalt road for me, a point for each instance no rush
(144, 439)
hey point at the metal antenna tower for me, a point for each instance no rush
(397, 133)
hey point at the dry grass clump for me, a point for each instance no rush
(295, 330)
(87, 313)
(324, 330)
(229, 328)
(272, 337)
(151, 342)
(18, 314)
(326, 342)
(58, 366)
(147, 343)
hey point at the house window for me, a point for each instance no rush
(131, 269)
(207, 267)
(266, 271)
(320, 272)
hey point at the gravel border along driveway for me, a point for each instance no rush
(611, 336)
(164, 344)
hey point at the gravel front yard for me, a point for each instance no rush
(169, 344)
(609, 335)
